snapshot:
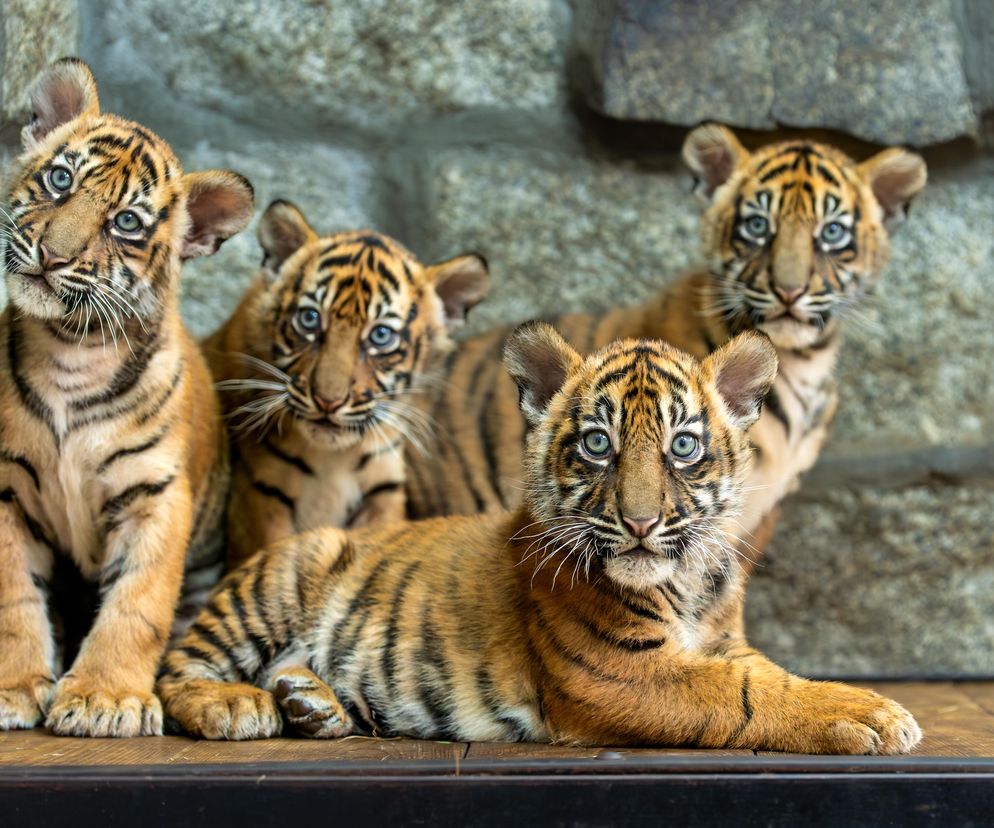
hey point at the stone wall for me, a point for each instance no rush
(545, 135)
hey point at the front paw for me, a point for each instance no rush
(309, 705)
(80, 709)
(218, 710)
(850, 720)
(23, 705)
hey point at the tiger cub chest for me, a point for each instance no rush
(322, 487)
(791, 431)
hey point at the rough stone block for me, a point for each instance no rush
(889, 71)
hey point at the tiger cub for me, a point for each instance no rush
(600, 612)
(317, 366)
(112, 455)
(795, 233)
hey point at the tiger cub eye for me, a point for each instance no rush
(597, 442)
(757, 226)
(128, 221)
(60, 179)
(684, 445)
(833, 233)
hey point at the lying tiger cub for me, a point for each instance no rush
(337, 333)
(794, 234)
(112, 452)
(600, 612)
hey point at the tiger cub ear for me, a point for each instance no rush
(539, 361)
(712, 152)
(895, 176)
(461, 283)
(283, 230)
(219, 203)
(743, 371)
(64, 91)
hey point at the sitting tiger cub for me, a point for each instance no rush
(600, 612)
(795, 233)
(337, 333)
(112, 447)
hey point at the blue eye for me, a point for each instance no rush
(60, 178)
(684, 445)
(128, 221)
(308, 319)
(756, 227)
(382, 336)
(597, 443)
(833, 233)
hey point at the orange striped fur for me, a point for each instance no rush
(318, 365)
(112, 455)
(602, 611)
(794, 234)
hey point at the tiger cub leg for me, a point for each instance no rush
(309, 705)
(108, 691)
(779, 711)
(209, 682)
(27, 654)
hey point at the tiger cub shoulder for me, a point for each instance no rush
(317, 367)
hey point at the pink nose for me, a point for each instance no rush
(640, 526)
(50, 260)
(789, 295)
(328, 405)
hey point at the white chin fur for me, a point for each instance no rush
(331, 438)
(33, 300)
(639, 571)
(789, 333)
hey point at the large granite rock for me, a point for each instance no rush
(364, 62)
(888, 71)
(32, 34)
(334, 188)
(874, 582)
(562, 232)
(916, 367)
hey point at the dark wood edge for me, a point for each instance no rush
(552, 768)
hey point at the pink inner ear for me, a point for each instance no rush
(218, 209)
(744, 377)
(718, 165)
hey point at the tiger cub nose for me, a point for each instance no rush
(327, 405)
(640, 526)
(789, 295)
(50, 260)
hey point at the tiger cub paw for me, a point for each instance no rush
(855, 721)
(309, 705)
(81, 710)
(23, 706)
(217, 710)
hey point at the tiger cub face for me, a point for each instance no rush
(796, 231)
(637, 453)
(98, 211)
(342, 326)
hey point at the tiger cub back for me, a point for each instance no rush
(317, 366)
(795, 233)
(112, 454)
(602, 611)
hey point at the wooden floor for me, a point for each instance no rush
(172, 781)
(956, 717)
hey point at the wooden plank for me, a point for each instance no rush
(36, 748)
(351, 748)
(953, 722)
(527, 750)
(982, 692)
